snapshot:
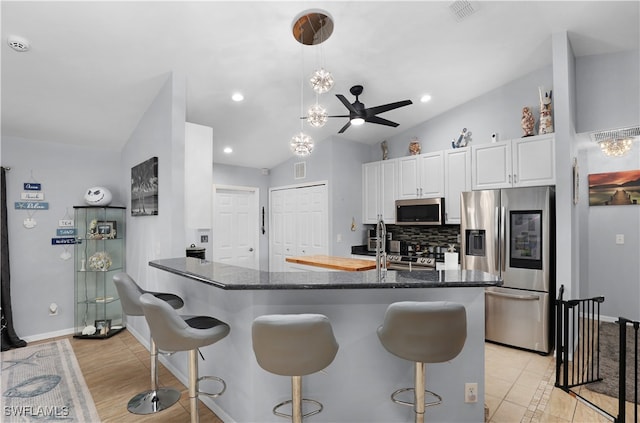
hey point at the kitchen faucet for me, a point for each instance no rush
(381, 254)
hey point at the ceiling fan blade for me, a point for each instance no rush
(345, 127)
(341, 116)
(381, 121)
(386, 107)
(346, 103)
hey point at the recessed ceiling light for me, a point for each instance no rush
(228, 150)
(425, 98)
(237, 97)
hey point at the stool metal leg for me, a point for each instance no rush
(156, 399)
(419, 392)
(193, 388)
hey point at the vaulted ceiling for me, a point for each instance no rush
(94, 67)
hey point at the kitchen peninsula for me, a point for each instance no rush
(357, 385)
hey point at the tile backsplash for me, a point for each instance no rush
(427, 236)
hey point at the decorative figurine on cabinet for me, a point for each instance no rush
(546, 121)
(527, 122)
(463, 139)
(385, 150)
(414, 146)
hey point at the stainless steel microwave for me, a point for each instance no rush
(421, 211)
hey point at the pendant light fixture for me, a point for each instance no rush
(312, 28)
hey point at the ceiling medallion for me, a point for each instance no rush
(301, 144)
(317, 116)
(312, 27)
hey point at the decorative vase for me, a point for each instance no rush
(527, 122)
(546, 121)
(414, 146)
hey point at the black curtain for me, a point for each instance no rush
(9, 337)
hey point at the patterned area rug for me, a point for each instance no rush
(44, 382)
(610, 361)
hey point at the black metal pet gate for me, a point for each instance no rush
(578, 332)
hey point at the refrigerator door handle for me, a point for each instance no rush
(496, 241)
(513, 297)
(503, 247)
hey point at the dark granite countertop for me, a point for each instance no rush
(229, 277)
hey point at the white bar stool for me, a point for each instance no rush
(294, 345)
(175, 333)
(423, 332)
(156, 399)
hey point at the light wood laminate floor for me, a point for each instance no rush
(519, 385)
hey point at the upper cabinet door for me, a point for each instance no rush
(431, 168)
(370, 192)
(457, 166)
(408, 176)
(389, 188)
(534, 161)
(491, 165)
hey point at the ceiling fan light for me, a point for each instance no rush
(301, 144)
(321, 81)
(357, 121)
(317, 116)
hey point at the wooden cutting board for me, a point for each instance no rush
(335, 263)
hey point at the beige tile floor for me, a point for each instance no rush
(519, 387)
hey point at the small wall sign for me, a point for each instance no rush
(32, 196)
(32, 186)
(64, 241)
(64, 223)
(30, 205)
(66, 231)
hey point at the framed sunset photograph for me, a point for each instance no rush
(614, 188)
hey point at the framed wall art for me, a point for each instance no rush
(144, 188)
(614, 188)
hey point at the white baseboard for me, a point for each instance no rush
(41, 336)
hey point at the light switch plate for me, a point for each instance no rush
(620, 239)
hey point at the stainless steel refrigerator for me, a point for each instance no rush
(511, 233)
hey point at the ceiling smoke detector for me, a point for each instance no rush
(18, 43)
(462, 9)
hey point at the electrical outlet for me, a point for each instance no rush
(470, 392)
(619, 239)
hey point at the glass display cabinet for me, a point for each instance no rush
(99, 254)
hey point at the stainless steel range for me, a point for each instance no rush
(410, 263)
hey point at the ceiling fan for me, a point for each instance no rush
(358, 114)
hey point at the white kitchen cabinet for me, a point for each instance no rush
(457, 179)
(379, 185)
(521, 162)
(421, 176)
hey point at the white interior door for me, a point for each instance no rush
(299, 222)
(235, 226)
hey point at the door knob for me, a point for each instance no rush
(251, 250)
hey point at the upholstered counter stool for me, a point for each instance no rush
(156, 399)
(175, 333)
(423, 332)
(294, 345)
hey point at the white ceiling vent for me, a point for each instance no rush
(300, 170)
(616, 134)
(462, 9)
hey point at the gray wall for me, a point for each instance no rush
(38, 275)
